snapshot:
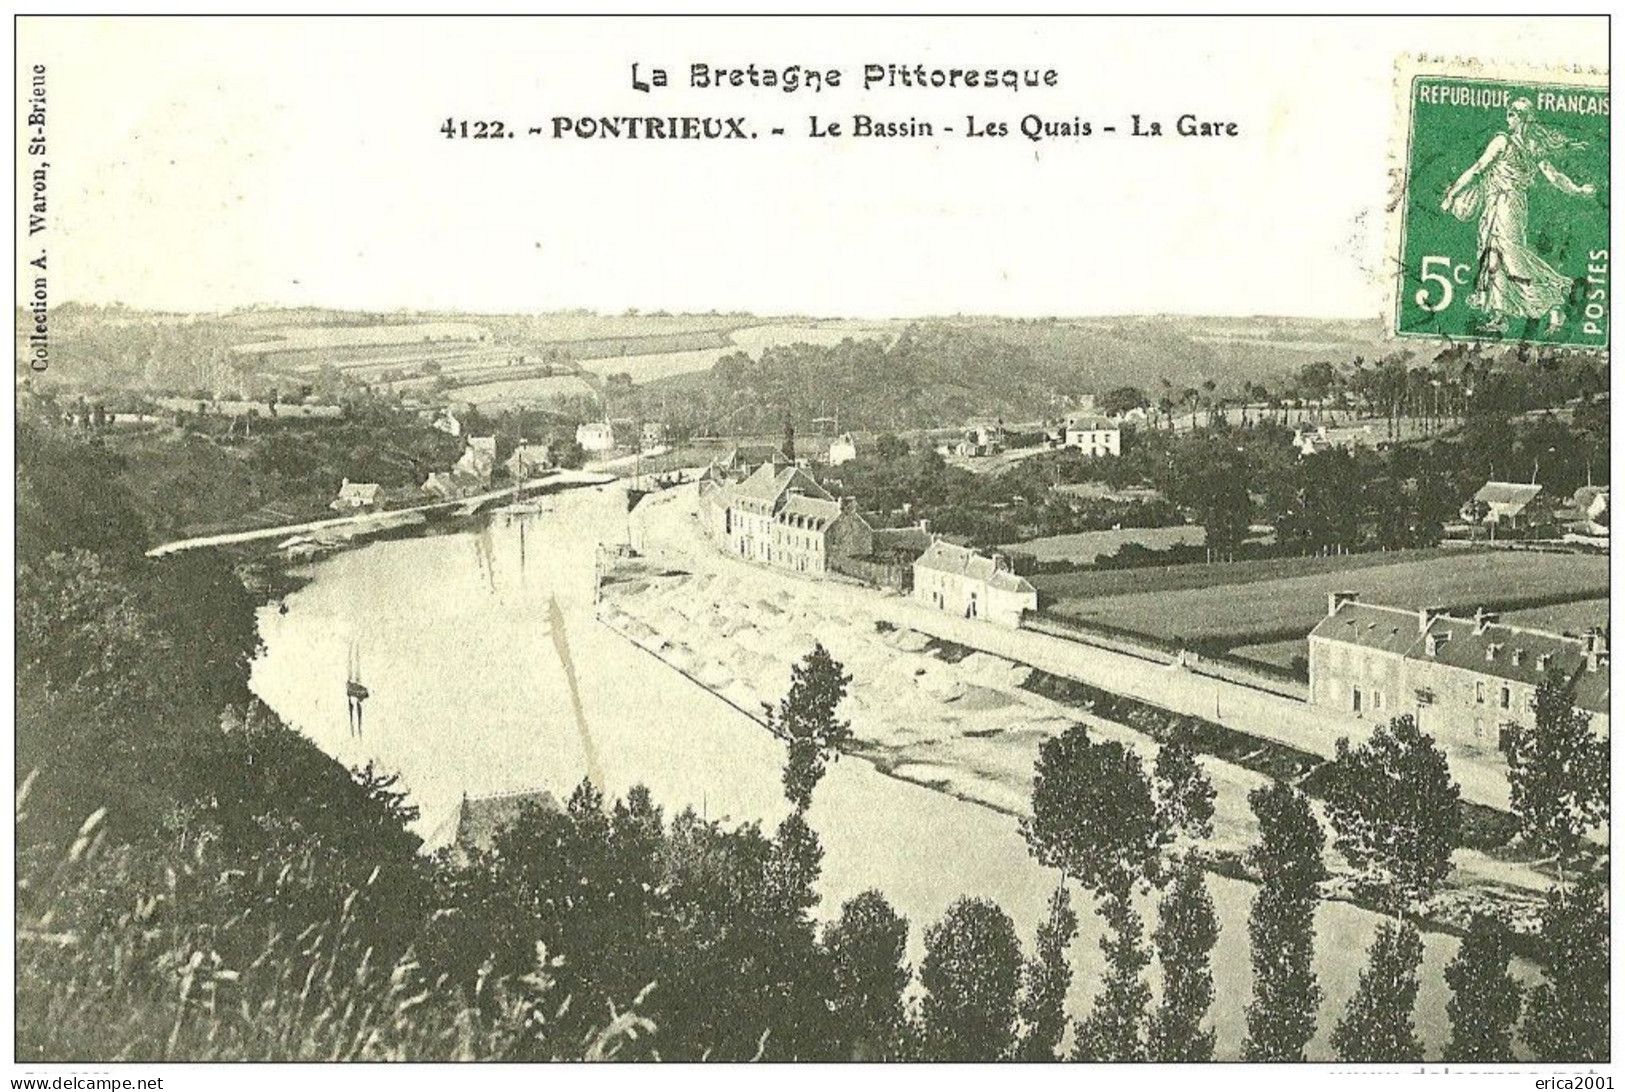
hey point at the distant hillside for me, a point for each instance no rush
(944, 371)
(1141, 350)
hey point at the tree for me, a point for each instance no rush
(890, 447)
(1484, 999)
(1184, 793)
(1559, 775)
(806, 721)
(971, 972)
(1281, 926)
(1119, 400)
(1113, 1031)
(1396, 810)
(1045, 981)
(1378, 1026)
(1567, 1017)
(1187, 930)
(866, 948)
(1096, 817)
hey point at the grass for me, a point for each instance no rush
(1085, 547)
(1165, 578)
(1278, 600)
(167, 977)
(1572, 617)
(536, 390)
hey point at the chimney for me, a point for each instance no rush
(925, 525)
(1426, 617)
(1434, 640)
(1000, 563)
(1483, 619)
(1336, 599)
(1543, 661)
(1596, 644)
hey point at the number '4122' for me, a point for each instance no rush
(474, 130)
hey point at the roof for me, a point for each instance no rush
(1515, 494)
(1586, 495)
(769, 482)
(1495, 649)
(483, 443)
(1090, 421)
(961, 561)
(479, 818)
(814, 508)
(914, 539)
(843, 438)
(366, 491)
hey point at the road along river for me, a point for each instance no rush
(468, 694)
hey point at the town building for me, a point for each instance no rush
(958, 580)
(481, 818)
(1097, 436)
(447, 422)
(1469, 682)
(478, 460)
(1311, 439)
(595, 437)
(356, 495)
(1588, 509)
(652, 434)
(440, 484)
(1509, 506)
(780, 516)
(527, 461)
(842, 449)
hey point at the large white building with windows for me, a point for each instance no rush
(781, 516)
(1093, 435)
(958, 580)
(1467, 681)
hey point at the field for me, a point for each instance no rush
(1275, 601)
(536, 391)
(1573, 617)
(648, 366)
(1085, 547)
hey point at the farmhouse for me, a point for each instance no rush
(961, 581)
(595, 437)
(355, 495)
(1092, 435)
(781, 516)
(1510, 504)
(1469, 682)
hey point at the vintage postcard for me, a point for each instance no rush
(812, 539)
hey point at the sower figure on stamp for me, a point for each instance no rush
(1513, 281)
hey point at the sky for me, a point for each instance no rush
(202, 165)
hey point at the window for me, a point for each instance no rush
(1478, 692)
(1506, 697)
(1376, 699)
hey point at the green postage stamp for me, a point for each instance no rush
(1502, 209)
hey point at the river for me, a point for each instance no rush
(468, 694)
